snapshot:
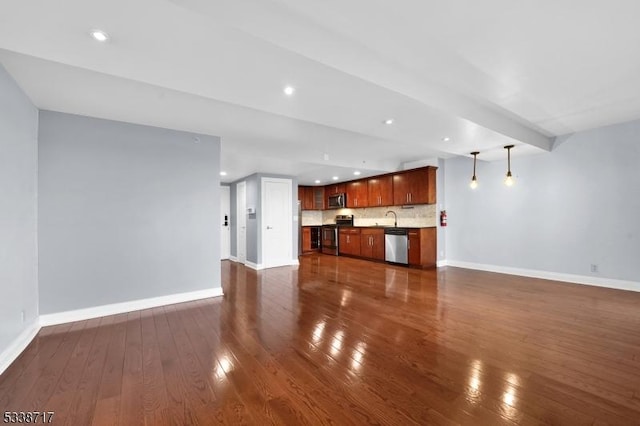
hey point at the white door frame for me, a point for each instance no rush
(241, 228)
(225, 223)
(288, 218)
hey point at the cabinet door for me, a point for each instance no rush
(357, 195)
(301, 195)
(343, 242)
(414, 247)
(422, 186)
(307, 203)
(377, 251)
(350, 241)
(372, 243)
(318, 198)
(415, 186)
(400, 189)
(306, 239)
(380, 191)
(365, 245)
(354, 242)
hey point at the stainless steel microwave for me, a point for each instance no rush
(337, 201)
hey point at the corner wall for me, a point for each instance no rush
(569, 209)
(254, 227)
(18, 220)
(126, 212)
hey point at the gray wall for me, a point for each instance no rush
(254, 199)
(18, 209)
(576, 206)
(126, 212)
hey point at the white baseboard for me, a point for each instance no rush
(233, 258)
(256, 266)
(546, 275)
(18, 345)
(441, 263)
(119, 308)
(261, 266)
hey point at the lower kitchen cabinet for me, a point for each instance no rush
(372, 243)
(422, 247)
(349, 241)
(310, 239)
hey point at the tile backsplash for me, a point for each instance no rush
(312, 218)
(422, 215)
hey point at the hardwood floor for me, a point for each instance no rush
(345, 341)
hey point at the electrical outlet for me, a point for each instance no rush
(594, 268)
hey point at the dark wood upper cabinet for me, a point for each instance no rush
(357, 194)
(416, 186)
(312, 197)
(380, 189)
(318, 197)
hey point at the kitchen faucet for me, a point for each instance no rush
(395, 222)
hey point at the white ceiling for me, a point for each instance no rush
(484, 74)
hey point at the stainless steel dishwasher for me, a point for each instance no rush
(396, 245)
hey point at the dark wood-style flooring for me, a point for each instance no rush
(345, 341)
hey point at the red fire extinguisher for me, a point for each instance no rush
(443, 218)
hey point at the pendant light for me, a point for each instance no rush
(474, 181)
(509, 179)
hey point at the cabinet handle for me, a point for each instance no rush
(408, 244)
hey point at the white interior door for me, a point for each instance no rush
(277, 222)
(225, 216)
(241, 213)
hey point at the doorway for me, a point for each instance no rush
(277, 222)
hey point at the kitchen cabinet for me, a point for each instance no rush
(416, 186)
(372, 243)
(312, 197)
(380, 189)
(422, 247)
(357, 194)
(349, 241)
(310, 239)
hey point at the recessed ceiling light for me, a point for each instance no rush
(289, 90)
(446, 139)
(335, 178)
(223, 173)
(357, 173)
(388, 121)
(100, 35)
(317, 180)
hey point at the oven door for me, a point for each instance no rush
(330, 240)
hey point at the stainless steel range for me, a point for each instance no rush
(330, 234)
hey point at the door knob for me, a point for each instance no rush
(268, 227)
